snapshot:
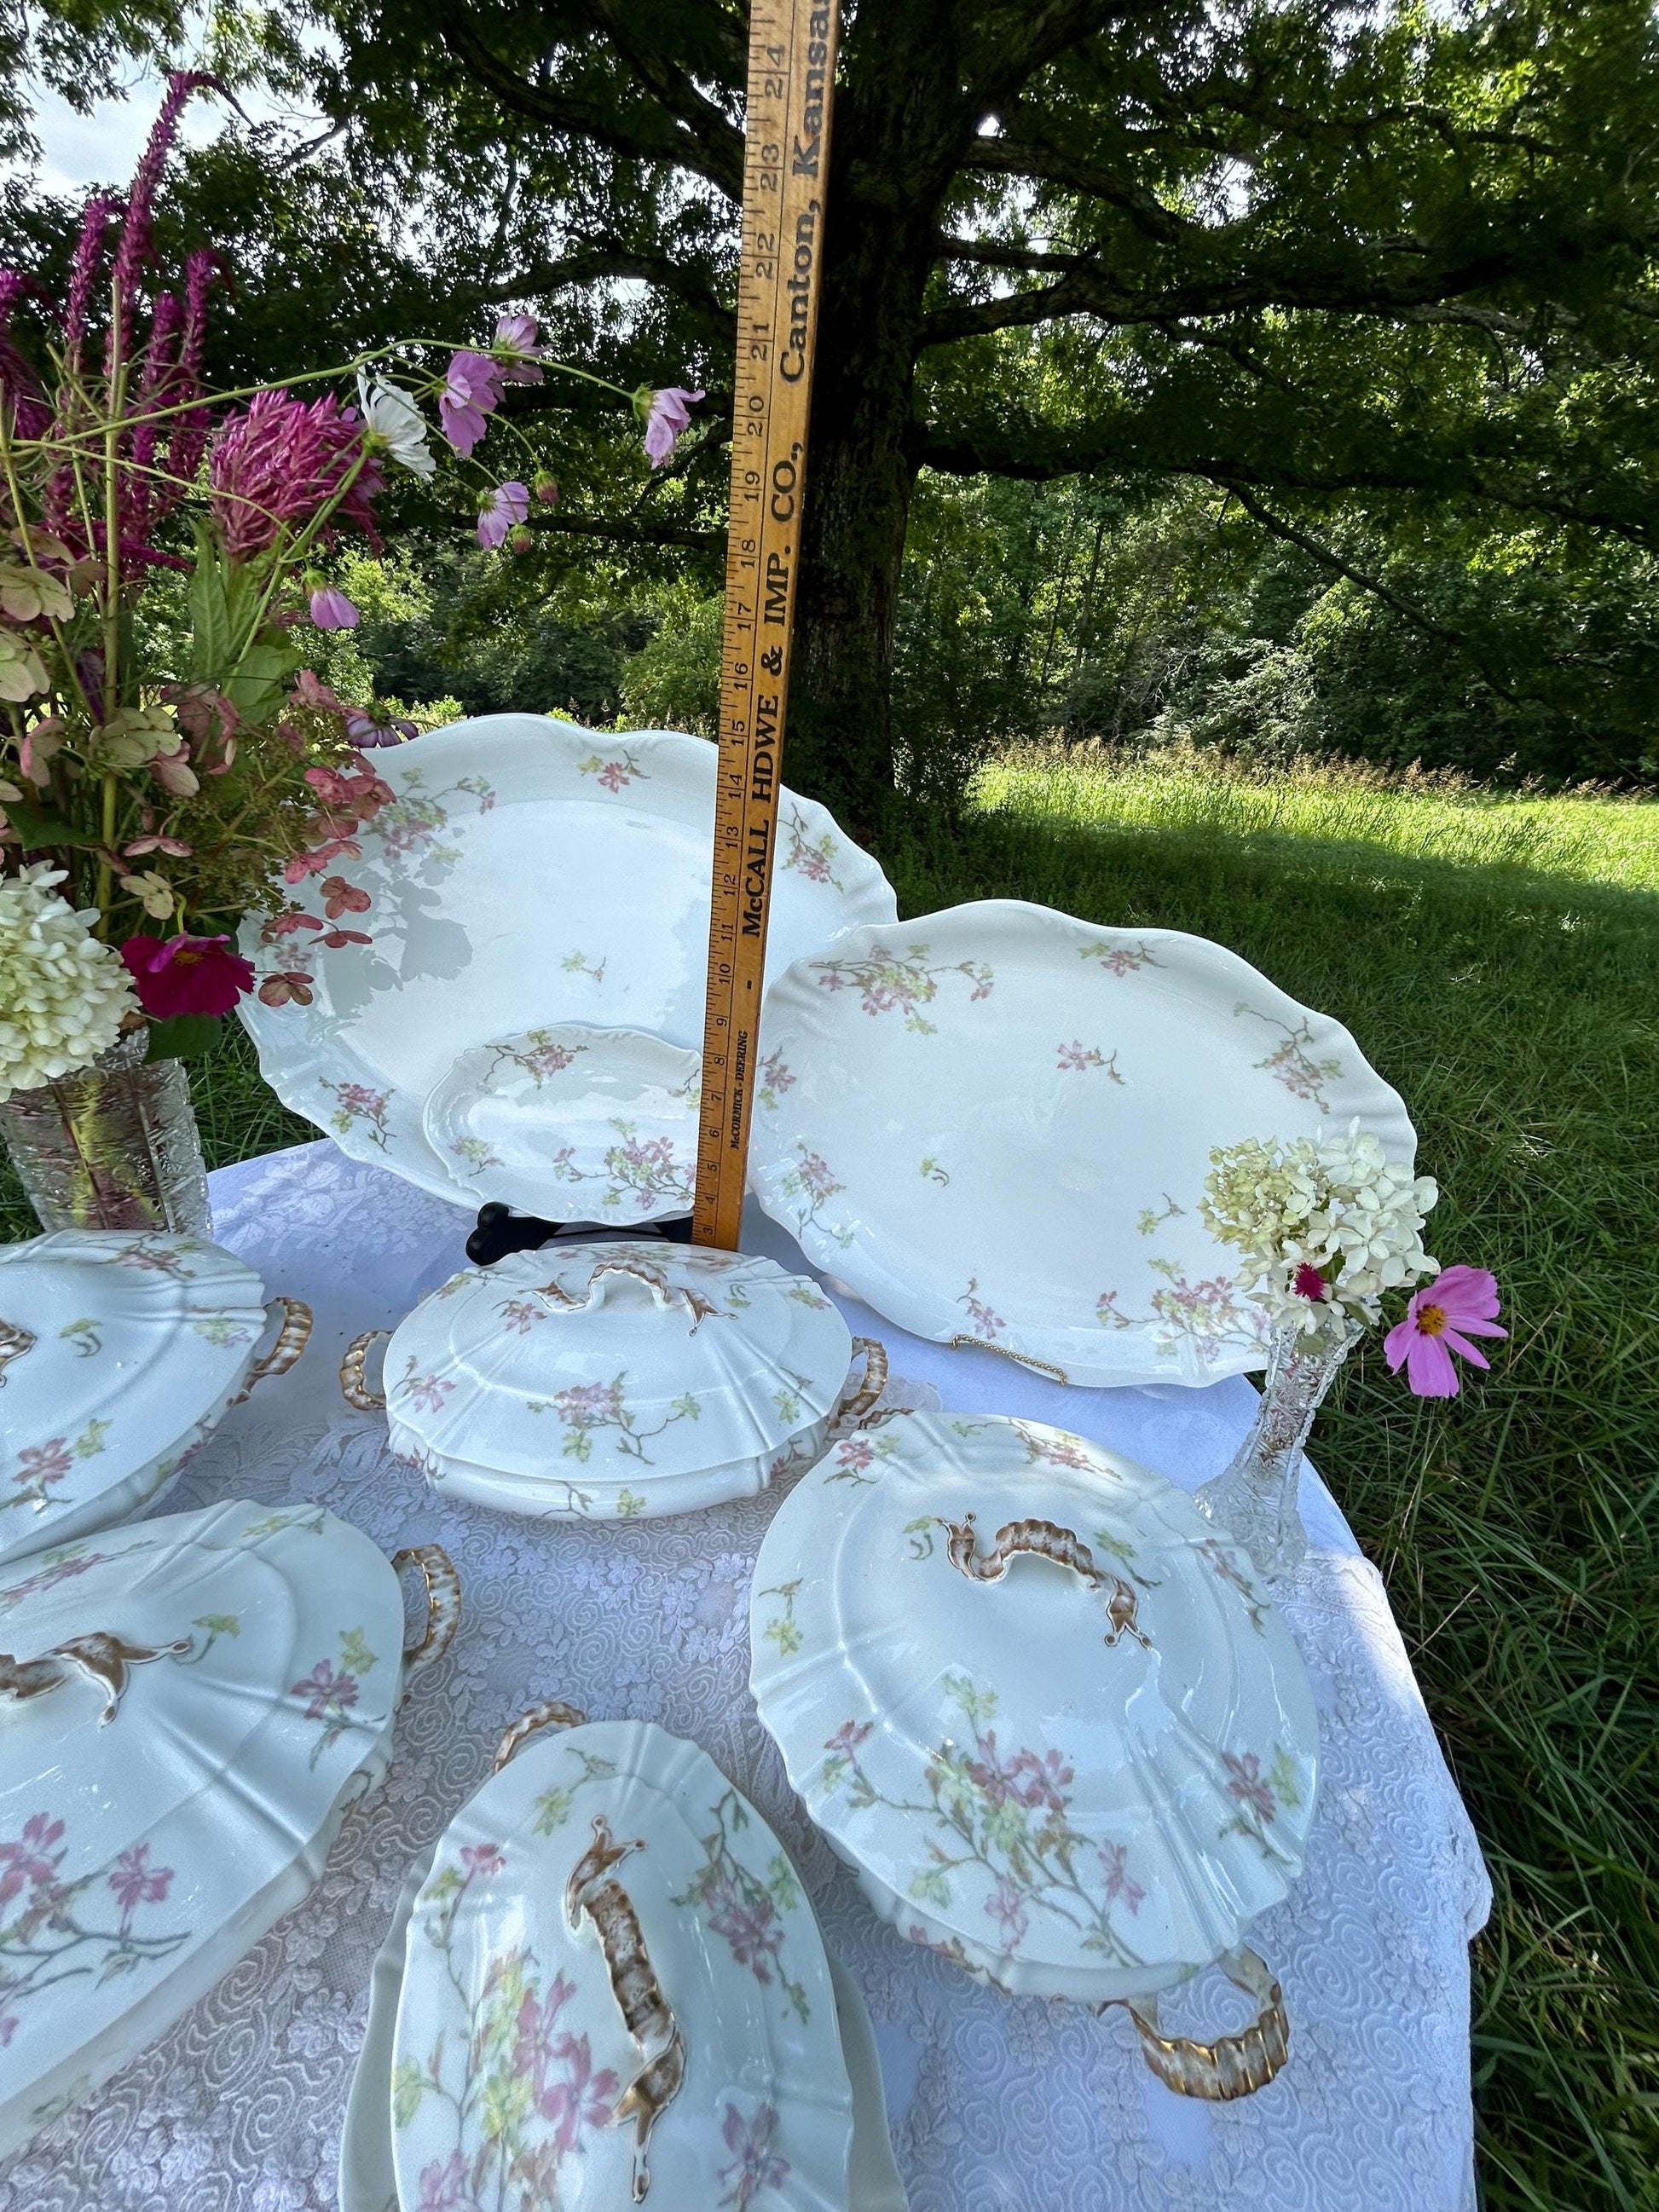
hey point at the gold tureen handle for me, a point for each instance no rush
(855, 1405)
(1045, 1540)
(293, 1335)
(593, 1893)
(443, 1607)
(664, 1294)
(1233, 2065)
(99, 1656)
(356, 1390)
(552, 1713)
(15, 1342)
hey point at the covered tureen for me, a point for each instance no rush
(118, 1352)
(614, 1991)
(1046, 1711)
(187, 1709)
(616, 1379)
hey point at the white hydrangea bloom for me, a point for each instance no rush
(1326, 1226)
(62, 994)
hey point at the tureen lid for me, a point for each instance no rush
(617, 1367)
(183, 1707)
(114, 1349)
(1037, 1700)
(615, 1991)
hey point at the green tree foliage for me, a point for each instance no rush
(1381, 273)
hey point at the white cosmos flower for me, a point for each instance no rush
(398, 422)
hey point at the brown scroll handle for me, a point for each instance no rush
(15, 1342)
(857, 1405)
(443, 1607)
(293, 1335)
(1045, 1540)
(97, 1656)
(352, 1383)
(594, 1892)
(553, 1715)
(1233, 2065)
(663, 1294)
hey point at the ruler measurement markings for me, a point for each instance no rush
(790, 70)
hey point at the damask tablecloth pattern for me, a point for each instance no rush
(995, 2105)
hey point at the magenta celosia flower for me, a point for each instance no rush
(1461, 1303)
(274, 468)
(185, 975)
(472, 390)
(667, 415)
(515, 349)
(499, 510)
(330, 609)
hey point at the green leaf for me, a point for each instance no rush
(262, 677)
(407, 2089)
(183, 1037)
(39, 825)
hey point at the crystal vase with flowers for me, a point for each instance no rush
(1328, 1228)
(168, 762)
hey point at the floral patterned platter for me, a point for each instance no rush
(1036, 1701)
(573, 1123)
(995, 1123)
(118, 1353)
(187, 1710)
(615, 1380)
(615, 1992)
(527, 873)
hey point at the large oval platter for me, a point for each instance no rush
(1030, 1693)
(118, 1352)
(528, 873)
(186, 1710)
(615, 1992)
(994, 1124)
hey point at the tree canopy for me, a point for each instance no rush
(1357, 267)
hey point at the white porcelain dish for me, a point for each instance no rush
(529, 873)
(573, 1123)
(615, 1992)
(994, 1124)
(616, 1379)
(1036, 1701)
(187, 1710)
(120, 1352)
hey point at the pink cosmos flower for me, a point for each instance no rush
(472, 390)
(185, 975)
(515, 349)
(499, 510)
(668, 414)
(331, 610)
(364, 731)
(1461, 1303)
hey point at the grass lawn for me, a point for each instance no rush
(1499, 960)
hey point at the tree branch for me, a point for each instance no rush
(623, 530)
(721, 139)
(594, 258)
(648, 135)
(1014, 157)
(1039, 34)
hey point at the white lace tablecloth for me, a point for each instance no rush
(995, 2105)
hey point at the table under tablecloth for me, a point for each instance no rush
(995, 2105)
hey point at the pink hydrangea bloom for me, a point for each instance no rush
(668, 414)
(502, 508)
(1461, 1303)
(472, 390)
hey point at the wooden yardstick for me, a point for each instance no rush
(792, 68)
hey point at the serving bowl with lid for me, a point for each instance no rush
(119, 1353)
(1046, 1712)
(615, 1380)
(614, 1991)
(188, 1709)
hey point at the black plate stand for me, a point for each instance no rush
(500, 1231)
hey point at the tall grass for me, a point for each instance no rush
(1499, 961)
